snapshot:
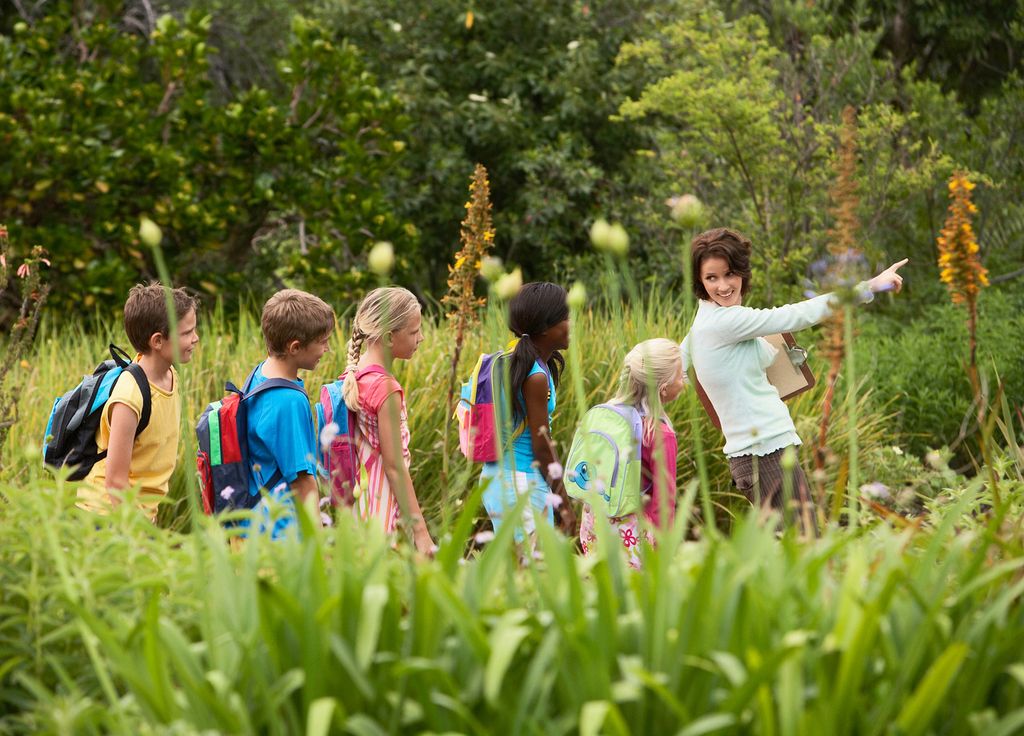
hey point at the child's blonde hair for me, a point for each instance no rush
(647, 369)
(381, 312)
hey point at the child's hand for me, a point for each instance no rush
(424, 544)
(567, 517)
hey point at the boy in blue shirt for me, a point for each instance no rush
(282, 439)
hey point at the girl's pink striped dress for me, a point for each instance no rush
(375, 501)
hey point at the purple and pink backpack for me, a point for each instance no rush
(480, 415)
(339, 458)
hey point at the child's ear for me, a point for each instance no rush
(388, 338)
(293, 347)
(156, 341)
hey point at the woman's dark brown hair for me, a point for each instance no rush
(723, 243)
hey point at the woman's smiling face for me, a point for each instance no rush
(723, 285)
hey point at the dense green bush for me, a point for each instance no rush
(273, 185)
(920, 364)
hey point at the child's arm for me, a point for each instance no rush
(305, 488)
(389, 422)
(123, 422)
(662, 477)
(535, 393)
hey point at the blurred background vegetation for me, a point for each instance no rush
(275, 141)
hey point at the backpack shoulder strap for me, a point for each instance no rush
(272, 383)
(147, 395)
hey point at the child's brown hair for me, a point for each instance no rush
(291, 314)
(145, 312)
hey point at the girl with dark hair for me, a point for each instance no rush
(539, 319)
(729, 356)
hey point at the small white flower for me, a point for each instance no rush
(477, 98)
(483, 537)
(554, 471)
(325, 501)
(875, 490)
(573, 45)
(896, 450)
(325, 519)
(328, 433)
(226, 493)
(553, 500)
(934, 459)
(396, 26)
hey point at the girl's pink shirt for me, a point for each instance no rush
(660, 485)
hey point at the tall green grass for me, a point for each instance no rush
(111, 626)
(231, 346)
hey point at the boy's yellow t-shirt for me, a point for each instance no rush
(154, 453)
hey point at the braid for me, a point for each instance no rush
(350, 389)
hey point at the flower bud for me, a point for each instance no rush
(618, 240)
(382, 258)
(609, 238)
(491, 268)
(509, 284)
(149, 232)
(687, 210)
(577, 296)
(599, 233)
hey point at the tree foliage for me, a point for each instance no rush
(269, 186)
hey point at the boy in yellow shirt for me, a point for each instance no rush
(145, 461)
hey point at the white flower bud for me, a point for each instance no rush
(509, 284)
(149, 232)
(382, 258)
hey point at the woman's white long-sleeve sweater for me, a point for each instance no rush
(726, 349)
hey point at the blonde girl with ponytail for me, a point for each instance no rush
(652, 376)
(387, 325)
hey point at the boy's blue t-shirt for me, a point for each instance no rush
(281, 435)
(522, 446)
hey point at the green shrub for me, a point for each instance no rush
(281, 183)
(919, 363)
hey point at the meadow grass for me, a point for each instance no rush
(110, 625)
(231, 346)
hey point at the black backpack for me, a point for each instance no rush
(70, 438)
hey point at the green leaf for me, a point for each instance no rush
(320, 713)
(918, 712)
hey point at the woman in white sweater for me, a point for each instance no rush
(729, 358)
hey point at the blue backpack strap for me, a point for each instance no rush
(272, 383)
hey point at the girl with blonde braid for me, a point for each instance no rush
(387, 323)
